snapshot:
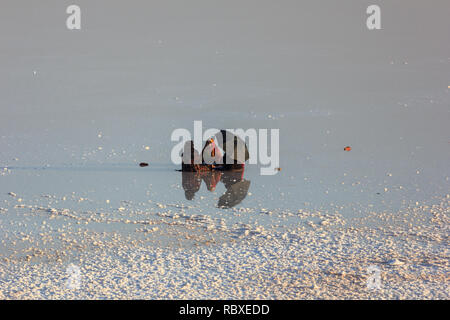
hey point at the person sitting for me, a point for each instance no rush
(191, 160)
(211, 154)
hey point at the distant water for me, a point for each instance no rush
(78, 109)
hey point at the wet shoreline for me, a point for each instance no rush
(202, 258)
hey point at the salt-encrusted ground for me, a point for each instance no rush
(200, 259)
(79, 109)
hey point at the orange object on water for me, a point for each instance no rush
(347, 148)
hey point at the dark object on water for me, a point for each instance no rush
(236, 150)
(143, 164)
(234, 194)
(237, 188)
(191, 181)
(347, 148)
(191, 159)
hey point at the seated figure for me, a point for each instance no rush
(212, 158)
(191, 160)
(211, 154)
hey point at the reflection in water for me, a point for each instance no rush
(191, 182)
(233, 180)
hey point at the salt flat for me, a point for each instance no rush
(80, 109)
(308, 262)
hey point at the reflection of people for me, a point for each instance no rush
(191, 182)
(212, 166)
(211, 179)
(231, 177)
(233, 180)
(237, 188)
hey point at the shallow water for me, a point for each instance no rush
(80, 110)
